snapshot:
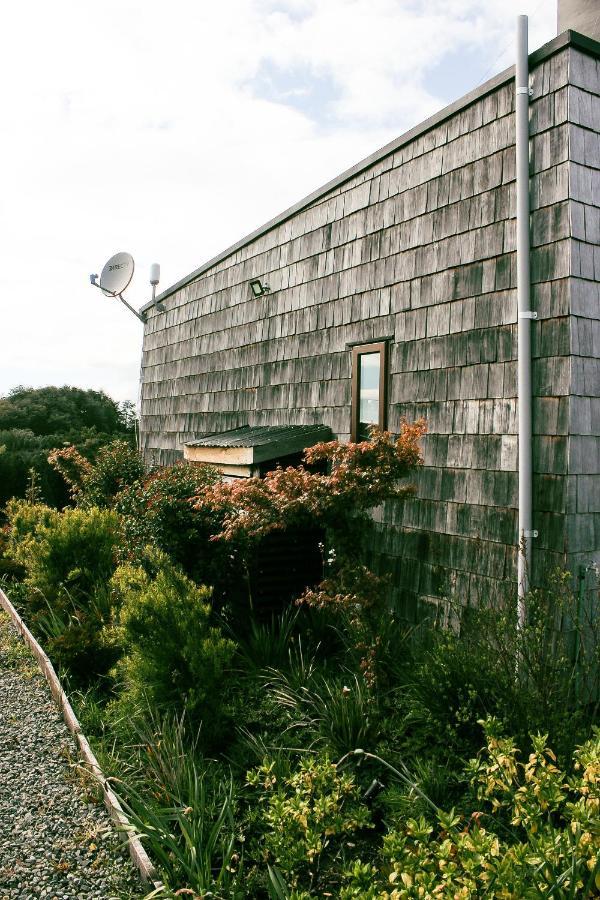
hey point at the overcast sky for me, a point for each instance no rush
(172, 129)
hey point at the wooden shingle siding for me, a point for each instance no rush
(419, 248)
(582, 531)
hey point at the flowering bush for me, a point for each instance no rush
(362, 476)
(117, 465)
(157, 511)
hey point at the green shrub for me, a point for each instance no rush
(309, 820)
(536, 833)
(23, 521)
(462, 674)
(116, 466)
(68, 559)
(72, 551)
(174, 658)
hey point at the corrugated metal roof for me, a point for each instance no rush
(261, 435)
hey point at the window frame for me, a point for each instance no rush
(359, 350)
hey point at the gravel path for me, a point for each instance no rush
(56, 839)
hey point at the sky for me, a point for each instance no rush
(171, 130)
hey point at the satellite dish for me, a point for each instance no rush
(117, 274)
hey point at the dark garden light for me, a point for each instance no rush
(258, 288)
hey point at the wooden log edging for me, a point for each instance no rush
(137, 852)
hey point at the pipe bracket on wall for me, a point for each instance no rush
(528, 314)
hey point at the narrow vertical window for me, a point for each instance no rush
(369, 364)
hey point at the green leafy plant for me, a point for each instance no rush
(308, 818)
(467, 671)
(73, 550)
(68, 559)
(536, 833)
(23, 521)
(157, 511)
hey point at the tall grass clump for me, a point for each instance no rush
(184, 808)
(340, 712)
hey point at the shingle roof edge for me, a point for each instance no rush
(566, 39)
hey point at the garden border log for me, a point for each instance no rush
(137, 852)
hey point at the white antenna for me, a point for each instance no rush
(154, 280)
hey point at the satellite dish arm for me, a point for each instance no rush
(140, 316)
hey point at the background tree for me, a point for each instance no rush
(34, 421)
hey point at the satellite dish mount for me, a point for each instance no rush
(116, 277)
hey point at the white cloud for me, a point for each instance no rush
(142, 127)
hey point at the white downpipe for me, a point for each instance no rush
(525, 315)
